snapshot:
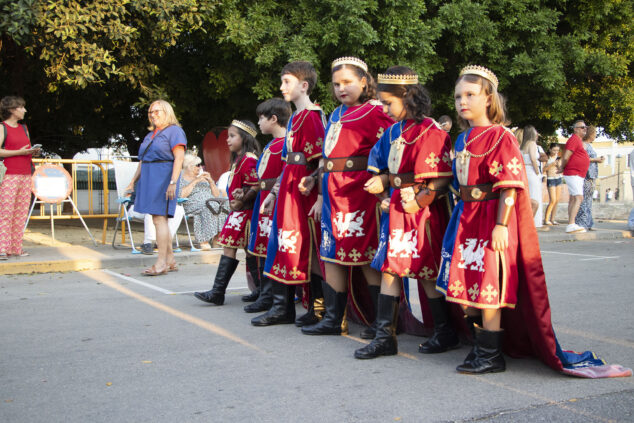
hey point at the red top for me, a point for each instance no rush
(579, 162)
(16, 139)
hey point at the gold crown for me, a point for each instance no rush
(481, 71)
(349, 60)
(246, 128)
(383, 78)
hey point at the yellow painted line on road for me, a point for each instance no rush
(549, 401)
(109, 281)
(594, 337)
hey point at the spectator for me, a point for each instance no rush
(198, 187)
(608, 195)
(161, 158)
(584, 215)
(574, 164)
(15, 187)
(553, 182)
(529, 151)
(445, 123)
(630, 220)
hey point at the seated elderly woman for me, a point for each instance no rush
(203, 200)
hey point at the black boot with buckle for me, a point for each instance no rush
(310, 318)
(370, 332)
(384, 343)
(331, 323)
(444, 337)
(252, 266)
(488, 353)
(283, 309)
(216, 295)
(265, 300)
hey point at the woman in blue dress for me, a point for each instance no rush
(160, 162)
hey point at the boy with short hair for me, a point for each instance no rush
(273, 115)
(292, 250)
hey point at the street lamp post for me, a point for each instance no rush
(617, 194)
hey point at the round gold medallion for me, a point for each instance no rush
(476, 193)
(297, 158)
(330, 165)
(349, 164)
(262, 185)
(397, 181)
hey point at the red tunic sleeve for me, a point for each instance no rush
(433, 160)
(505, 164)
(250, 171)
(312, 133)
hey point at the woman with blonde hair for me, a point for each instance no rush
(584, 215)
(528, 147)
(160, 162)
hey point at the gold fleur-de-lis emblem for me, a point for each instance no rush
(432, 160)
(379, 134)
(495, 168)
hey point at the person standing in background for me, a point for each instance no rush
(584, 216)
(15, 188)
(574, 164)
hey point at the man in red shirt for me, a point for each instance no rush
(575, 162)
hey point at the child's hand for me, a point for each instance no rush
(410, 206)
(315, 211)
(500, 238)
(236, 205)
(374, 185)
(306, 185)
(237, 194)
(407, 194)
(267, 205)
(385, 205)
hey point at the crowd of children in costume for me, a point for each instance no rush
(355, 206)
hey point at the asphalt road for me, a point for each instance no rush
(99, 346)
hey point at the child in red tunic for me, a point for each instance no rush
(291, 257)
(273, 116)
(241, 189)
(349, 215)
(411, 160)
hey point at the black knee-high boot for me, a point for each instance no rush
(384, 343)
(488, 356)
(310, 318)
(472, 322)
(370, 332)
(265, 300)
(216, 295)
(330, 324)
(444, 337)
(252, 266)
(283, 309)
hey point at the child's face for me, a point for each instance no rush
(348, 87)
(471, 102)
(267, 125)
(393, 106)
(234, 140)
(292, 88)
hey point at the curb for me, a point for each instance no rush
(96, 263)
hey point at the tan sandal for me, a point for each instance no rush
(153, 272)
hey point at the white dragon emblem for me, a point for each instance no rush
(351, 224)
(403, 244)
(235, 220)
(473, 254)
(286, 241)
(265, 226)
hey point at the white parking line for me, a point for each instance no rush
(158, 288)
(592, 257)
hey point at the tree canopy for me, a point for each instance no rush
(88, 69)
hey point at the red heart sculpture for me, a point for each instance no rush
(216, 154)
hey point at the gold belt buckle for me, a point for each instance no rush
(397, 181)
(329, 165)
(349, 164)
(476, 193)
(297, 158)
(262, 185)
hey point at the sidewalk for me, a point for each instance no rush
(72, 250)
